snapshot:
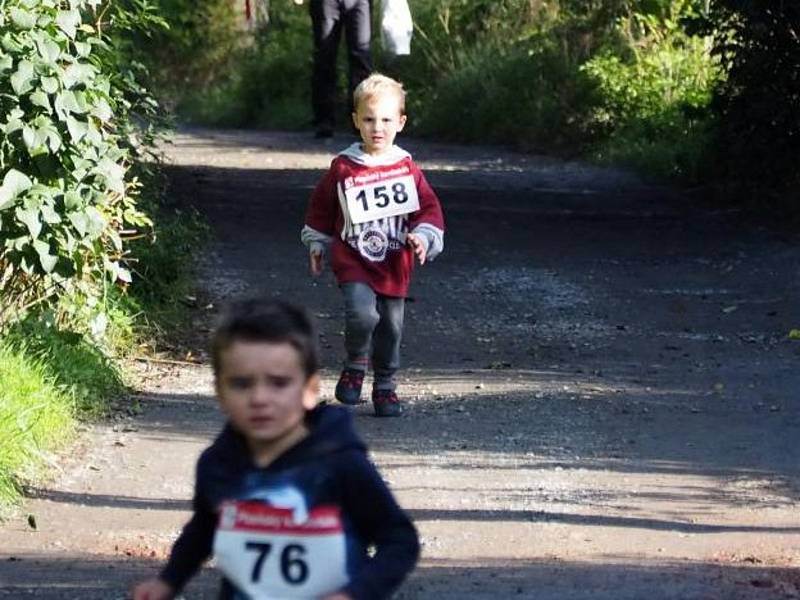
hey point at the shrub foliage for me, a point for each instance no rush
(758, 103)
(67, 200)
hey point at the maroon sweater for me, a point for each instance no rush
(373, 251)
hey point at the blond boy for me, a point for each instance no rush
(369, 217)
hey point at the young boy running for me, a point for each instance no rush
(285, 497)
(372, 213)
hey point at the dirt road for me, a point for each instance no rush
(603, 400)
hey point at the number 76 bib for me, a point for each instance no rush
(382, 199)
(268, 556)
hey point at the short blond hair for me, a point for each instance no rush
(379, 85)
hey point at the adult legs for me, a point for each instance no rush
(358, 32)
(326, 25)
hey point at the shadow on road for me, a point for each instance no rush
(75, 578)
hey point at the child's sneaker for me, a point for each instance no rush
(348, 388)
(386, 403)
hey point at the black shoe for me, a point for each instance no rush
(348, 388)
(386, 403)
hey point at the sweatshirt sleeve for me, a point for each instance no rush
(379, 521)
(428, 221)
(320, 221)
(193, 545)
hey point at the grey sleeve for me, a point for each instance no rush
(432, 237)
(315, 240)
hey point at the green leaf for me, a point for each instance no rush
(21, 79)
(11, 44)
(124, 274)
(54, 140)
(35, 140)
(71, 102)
(26, 266)
(116, 240)
(22, 18)
(94, 135)
(83, 49)
(96, 221)
(14, 124)
(80, 222)
(47, 48)
(6, 62)
(39, 98)
(102, 110)
(49, 84)
(113, 173)
(47, 260)
(18, 243)
(49, 214)
(72, 200)
(77, 129)
(68, 21)
(30, 217)
(14, 183)
(78, 74)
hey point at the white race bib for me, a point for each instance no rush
(269, 556)
(382, 199)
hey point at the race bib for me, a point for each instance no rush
(267, 555)
(382, 199)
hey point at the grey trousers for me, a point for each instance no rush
(373, 329)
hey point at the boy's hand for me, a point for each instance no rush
(153, 589)
(317, 262)
(418, 246)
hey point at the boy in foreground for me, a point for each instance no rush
(373, 212)
(285, 498)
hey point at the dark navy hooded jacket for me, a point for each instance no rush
(329, 468)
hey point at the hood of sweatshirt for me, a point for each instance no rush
(356, 153)
(330, 431)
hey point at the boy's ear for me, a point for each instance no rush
(355, 120)
(402, 122)
(311, 392)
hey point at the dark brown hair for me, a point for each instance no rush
(267, 320)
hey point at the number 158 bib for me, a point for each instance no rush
(268, 556)
(382, 199)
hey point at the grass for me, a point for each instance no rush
(36, 416)
(51, 380)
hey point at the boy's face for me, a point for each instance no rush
(378, 119)
(264, 391)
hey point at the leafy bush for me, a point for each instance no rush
(758, 102)
(199, 45)
(652, 99)
(530, 96)
(267, 82)
(66, 202)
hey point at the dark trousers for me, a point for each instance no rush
(328, 18)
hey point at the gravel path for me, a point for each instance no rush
(603, 401)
